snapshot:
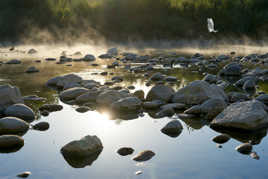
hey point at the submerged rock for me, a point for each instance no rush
(245, 148)
(249, 115)
(160, 92)
(20, 111)
(124, 151)
(13, 125)
(198, 92)
(173, 128)
(144, 156)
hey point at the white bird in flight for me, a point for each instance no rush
(211, 25)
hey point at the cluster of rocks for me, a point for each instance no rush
(16, 119)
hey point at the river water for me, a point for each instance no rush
(191, 155)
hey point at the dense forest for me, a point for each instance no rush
(121, 20)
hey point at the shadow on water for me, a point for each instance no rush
(254, 138)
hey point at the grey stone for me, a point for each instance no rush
(9, 95)
(198, 92)
(249, 115)
(13, 125)
(20, 111)
(160, 92)
(245, 148)
(144, 156)
(173, 128)
(127, 104)
(72, 93)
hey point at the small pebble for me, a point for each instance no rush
(254, 155)
(24, 174)
(138, 172)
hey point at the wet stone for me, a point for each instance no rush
(144, 156)
(124, 151)
(221, 139)
(24, 174)
(254, 155)
(245, 148)
(83, 109)
(41, 126)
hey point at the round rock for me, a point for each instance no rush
(221, 139)
(245, 148)
(13, 125)
(144, 156)
(20, 111)
(125, 151)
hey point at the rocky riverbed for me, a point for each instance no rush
(132, 108)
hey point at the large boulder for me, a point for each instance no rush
(198, 92)
(107, 97)
(13, 125)
(9, 95)
(127, 104)
(83, 152)
(20, 111)
(249, 115)
(72, 93)
(160, 92)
